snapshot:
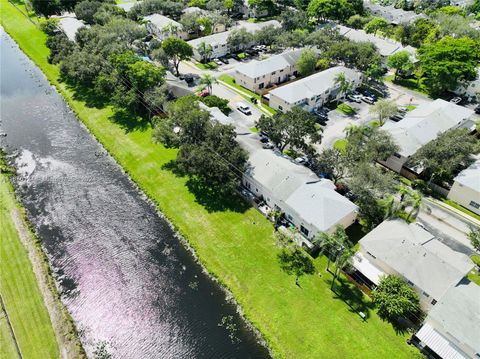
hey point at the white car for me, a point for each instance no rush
(244, 108)
(218, 62)
(456, 100)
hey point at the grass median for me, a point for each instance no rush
(24, 306)
(235, 244)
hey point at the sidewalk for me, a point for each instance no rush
(457, 212)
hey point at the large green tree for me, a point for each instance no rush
(449, 61)
(394, 299)
(307, 62)
(445, 156)
(294, 129)
(295, 261)
(375, 25)
(177, 50)
(217, 162)
(401, 62)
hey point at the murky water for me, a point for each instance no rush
(125, 277)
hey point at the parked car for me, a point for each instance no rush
(303, 160)
(477, 109)
(218, 62)
(354, 98)
(368, 93)
(368, 99)
(268, 146)
(204, 93)
(224, 60)
(244, 108)
(263, 139)
(397, 117)
(456, 100)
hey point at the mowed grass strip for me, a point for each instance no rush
(18, 286)
(7, 345)
(238, 247)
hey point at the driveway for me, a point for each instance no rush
(450, 228)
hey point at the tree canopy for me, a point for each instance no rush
(394, 299)
(448, 61)
(177, 50)
(400, 61)
(446, 155)
(293, 129)
(307, 62)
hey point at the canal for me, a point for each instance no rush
(124, 276)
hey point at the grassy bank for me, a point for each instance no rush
(22, 298)
(235, 243)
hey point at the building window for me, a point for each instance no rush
(280, 108)
(304, 230)
(289, 217)
(425, 294)
(248, 185)
(398, 155)
(371, 255)
(260, 86)
(409, 282)
(475, 204)
(273, 73)
(434, 302)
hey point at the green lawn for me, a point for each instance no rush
(410, 83)
(7, 344)
(236, 245)
(208, 66)
(460, 208)
(410, 107)
(340, 144)
(346, 109)
(246, 94)
(18, 287)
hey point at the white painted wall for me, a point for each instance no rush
(465, 196)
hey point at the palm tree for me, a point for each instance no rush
(331, 243)
(344, 259)
(343, 84)
(205, 51)
(415, 201)
(207, 81)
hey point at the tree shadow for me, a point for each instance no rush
(128, 121)
(214, 200)
(352, 296)
(209, 197)
(87, 95)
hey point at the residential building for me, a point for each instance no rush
(313, 91)
(217, 115)
(411, 252)
(128, 5)
(257, 76)
(311, 204)
(216, 28)
(466, 188)
(386, 47)
(393, 15)
(470, 89)
(218, 42)
(163, 27)
(251, 11)
(452, 328)
(70, 25)
(421, 126)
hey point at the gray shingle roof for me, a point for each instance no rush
(470, 177)
(70, 26)
(279, 62)
(161, 21)
(419, 257)
(277, 173)
(320, 205)
(313, 85)
(458, 311)
(221, 37)
(425, 123)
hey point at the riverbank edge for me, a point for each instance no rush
(261, 337)
(62, 323)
